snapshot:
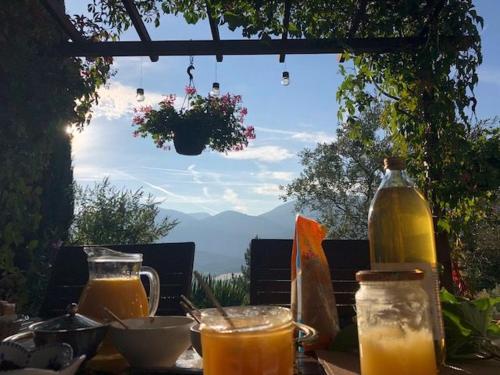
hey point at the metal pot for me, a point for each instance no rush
(83, 334)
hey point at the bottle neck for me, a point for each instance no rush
(396, 178)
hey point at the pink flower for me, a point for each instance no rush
(136, 133)
(168, 101)
(244, 111)
(190, 90)
(250, 132)
(145, 109)
(226, 99)
(138, 120)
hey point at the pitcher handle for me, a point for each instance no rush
(310, 334)
(154, 288)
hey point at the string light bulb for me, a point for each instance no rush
(215, 89)
(285, 78)
(139, 96)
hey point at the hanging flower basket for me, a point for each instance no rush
(187, 140)
(213, 122)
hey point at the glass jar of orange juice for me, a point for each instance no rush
(114, 282)
(394, 326)
(255, 340)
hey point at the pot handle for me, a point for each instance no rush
(310, 334)
(154, 288)
(20, 336)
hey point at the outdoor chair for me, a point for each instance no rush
(172, 261)
(270, 271)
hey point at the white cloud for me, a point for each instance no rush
(118, 100)
(306, 137)
(275, 175)
(90, 172)
(264, 154)
(267, 189)
(180, 198)
(232, 197)
(313, 137)
(198, 177)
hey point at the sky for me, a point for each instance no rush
(286, 120)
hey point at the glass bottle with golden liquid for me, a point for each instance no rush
(401, 236)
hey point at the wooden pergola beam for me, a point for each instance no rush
(139, 26)
(433, 10)
(356, 21)
(247, 47)
(286, 22)
(214, 29)
(56, 10)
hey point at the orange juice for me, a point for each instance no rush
(397, 351)
(269, 352)
(125, 297)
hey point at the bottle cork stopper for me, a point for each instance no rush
(394, 163)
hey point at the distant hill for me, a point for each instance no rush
(221, 240)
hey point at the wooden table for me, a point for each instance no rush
(305, 365)
(336, 363)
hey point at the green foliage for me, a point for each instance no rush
(38, 94)
(57, 214)
(469, 326)
(106, 215)
(232, 291)
(429, 113)
(340, 179)
(477, 252)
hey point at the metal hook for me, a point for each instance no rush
(190, 67)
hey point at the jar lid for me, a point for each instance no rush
(389, 275)
(394, 163)
(246, 318)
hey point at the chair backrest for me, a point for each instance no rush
(172, 261)
(270, 271)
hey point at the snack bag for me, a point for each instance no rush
(313, 302)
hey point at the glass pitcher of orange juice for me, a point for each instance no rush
(115, 283)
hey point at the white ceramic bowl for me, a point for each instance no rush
(152, 341)
(196, 339)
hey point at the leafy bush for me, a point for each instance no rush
(469, 326)
(107, 215)
(233, 291)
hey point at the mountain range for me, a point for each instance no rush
(221, 240)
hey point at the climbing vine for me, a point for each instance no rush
(41, 93)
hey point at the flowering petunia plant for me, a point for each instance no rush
(216, 122)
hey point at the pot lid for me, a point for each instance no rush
(72, 321)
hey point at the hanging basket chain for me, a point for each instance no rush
(189, 70)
